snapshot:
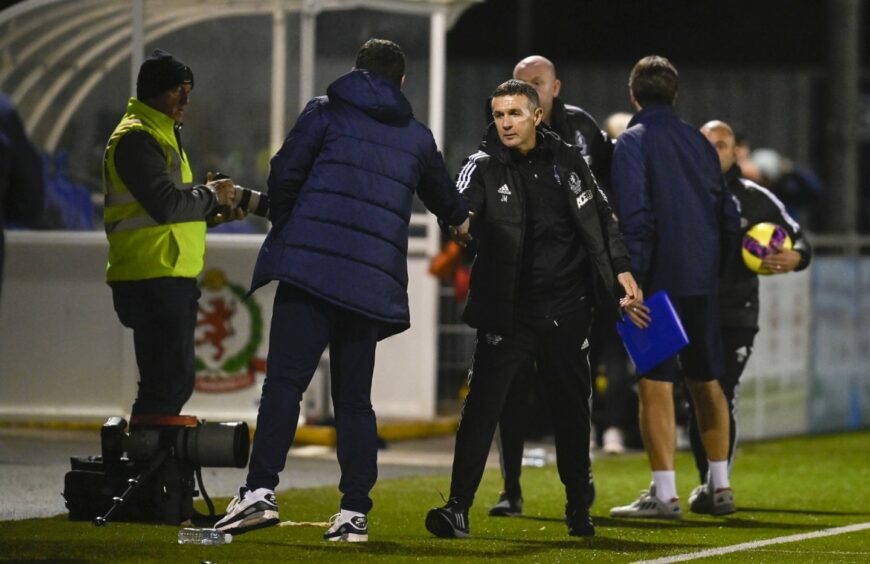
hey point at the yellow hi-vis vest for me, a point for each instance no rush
(139, 247)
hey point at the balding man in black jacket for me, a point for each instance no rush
(738, 295)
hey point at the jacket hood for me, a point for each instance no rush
(372, 94)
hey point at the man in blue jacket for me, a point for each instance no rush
(676, 217)
(341, 189)
(22, 193)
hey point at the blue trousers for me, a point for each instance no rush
(302, 327)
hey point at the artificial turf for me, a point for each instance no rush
(782, 488)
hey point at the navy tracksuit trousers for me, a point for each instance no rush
(302, 327)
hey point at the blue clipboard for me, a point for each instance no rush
(664, 337)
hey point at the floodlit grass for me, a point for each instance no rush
(782, 488)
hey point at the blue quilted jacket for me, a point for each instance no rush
(674, 210)
(341, 189)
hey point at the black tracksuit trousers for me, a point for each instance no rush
(561, 352)
(737, 347)
(162, 313)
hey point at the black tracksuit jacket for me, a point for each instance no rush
(495, 192)
(738, 286)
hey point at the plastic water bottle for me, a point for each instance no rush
(203, 536)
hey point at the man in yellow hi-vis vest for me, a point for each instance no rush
(156, 222)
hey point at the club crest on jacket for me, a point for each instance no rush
(575, 184)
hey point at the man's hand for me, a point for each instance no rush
(225, 192)
(461, 233)
(632, 303)
(224, 189)
(782, 260)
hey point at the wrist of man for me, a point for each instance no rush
(621, 266)
(210, 190)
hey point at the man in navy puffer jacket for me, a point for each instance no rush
(676, 216)
(341, 190)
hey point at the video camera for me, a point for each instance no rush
(146, 473)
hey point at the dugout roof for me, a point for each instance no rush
(54, 53)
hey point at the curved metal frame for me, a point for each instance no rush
(57, 31)
(51, 60)
(60, 13)
(170, 17)
(115, 59)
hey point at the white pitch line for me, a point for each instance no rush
(756, 544)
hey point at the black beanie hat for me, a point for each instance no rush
(161, 72)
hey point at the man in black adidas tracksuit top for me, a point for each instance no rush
(576, 127)
(738, 286)
(544, 232)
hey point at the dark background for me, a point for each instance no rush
(757, 32)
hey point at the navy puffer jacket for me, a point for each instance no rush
(341, 189)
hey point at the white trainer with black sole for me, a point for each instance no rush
(354, 529)
(705, 501)
(648, 506)
(248, 511)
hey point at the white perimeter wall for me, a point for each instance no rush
(65, 356)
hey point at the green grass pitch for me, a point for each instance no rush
(782, 488)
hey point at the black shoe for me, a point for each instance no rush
(448, 522)
(507, 506)
(579, 522)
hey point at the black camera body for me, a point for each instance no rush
(147, 474)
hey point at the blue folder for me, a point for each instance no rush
(662, 339)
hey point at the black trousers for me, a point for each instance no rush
(558, 348)
(616, 406)
(303, 326)
(736, 347)
(162, 313)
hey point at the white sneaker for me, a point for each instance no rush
(614, 441)
(648, 506)
(248, 511)
(355, 529)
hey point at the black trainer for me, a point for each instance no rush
(507, 506)
(579, 522)
(448, 522)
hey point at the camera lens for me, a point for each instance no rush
(215, 445)
(252, 201)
